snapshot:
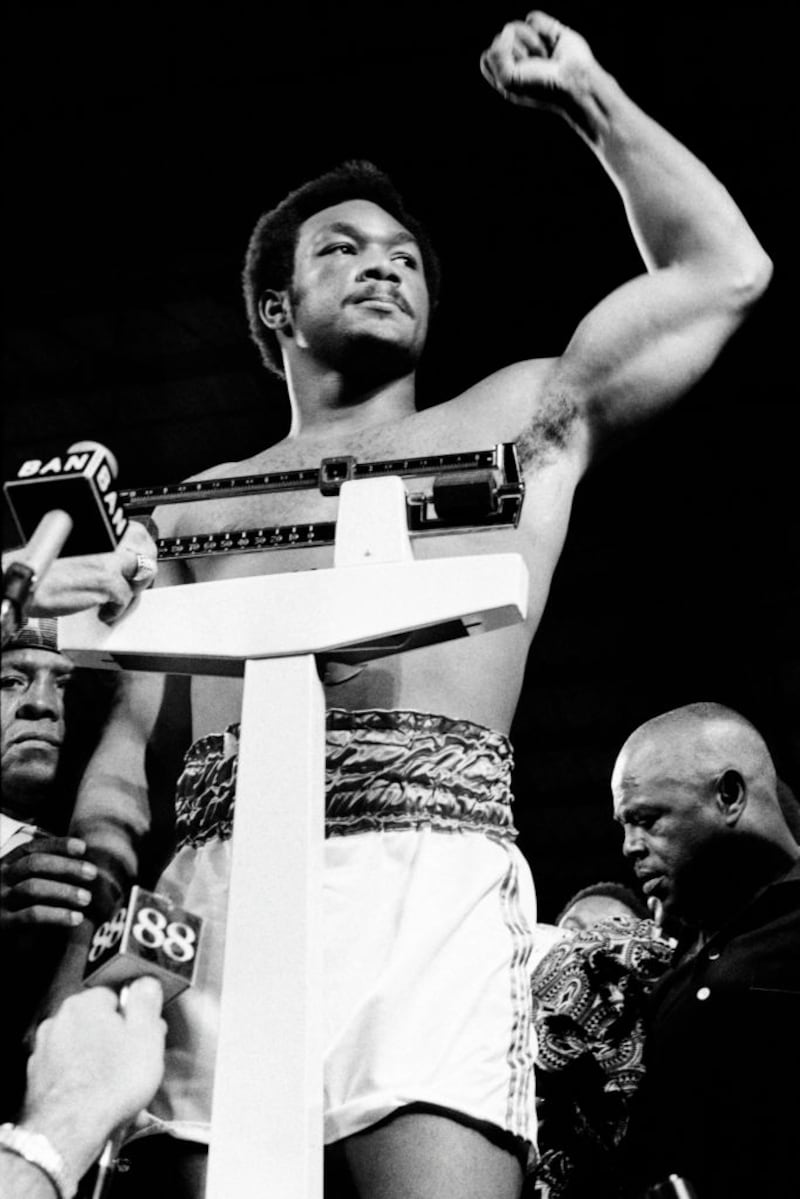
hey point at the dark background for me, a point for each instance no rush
(142, 142)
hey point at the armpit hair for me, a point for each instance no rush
(548, 432)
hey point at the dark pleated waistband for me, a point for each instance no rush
(384, 770)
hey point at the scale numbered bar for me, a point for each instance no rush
(328, 478)
(243, 541)
(502, 506)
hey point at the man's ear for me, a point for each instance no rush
(731, 795)
(273, 308)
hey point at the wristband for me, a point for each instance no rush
(40, 1152)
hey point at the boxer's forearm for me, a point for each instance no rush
(112, 809)
(112, 812)
(680, 214)
(112, 815)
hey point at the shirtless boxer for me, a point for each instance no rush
(428, 1071)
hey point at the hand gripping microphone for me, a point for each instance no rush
(20, 579)
(80, 483)
(147, 934)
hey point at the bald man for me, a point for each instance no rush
(696, 793)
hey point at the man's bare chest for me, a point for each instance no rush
(413, 441)
(291, 520)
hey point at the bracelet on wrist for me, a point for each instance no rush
(37, 1149)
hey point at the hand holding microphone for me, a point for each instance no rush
(93, 1068)
(69, 505)
(148, 935)
(111, 581)
(26, 568)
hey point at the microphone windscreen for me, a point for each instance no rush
(148, 934)
(80, 483)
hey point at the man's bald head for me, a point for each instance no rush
(704, 741)
(695, 791)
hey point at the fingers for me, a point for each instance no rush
(519, 58)
(136, 560)
(110, 581)
(133, 568)
(49, 857)
(73, 847)
(138, 541)
(81, 1007)
(75, 584)
(144, 1002)
(42, 885)
(121, 569)
(145, 573)
(103, 1000)
(541, 63)
(545, 27)
(39, 916)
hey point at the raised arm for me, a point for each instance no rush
(112, 809)
(651, 339)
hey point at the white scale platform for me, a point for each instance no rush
(266, 1133)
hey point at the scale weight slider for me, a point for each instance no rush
(147, 935)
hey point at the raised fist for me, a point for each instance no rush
(541, 63)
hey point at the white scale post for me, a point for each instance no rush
(266, 1134)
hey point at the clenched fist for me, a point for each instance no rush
(543, 64)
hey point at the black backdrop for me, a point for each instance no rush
(141, 144)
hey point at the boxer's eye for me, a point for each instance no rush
(408, 259)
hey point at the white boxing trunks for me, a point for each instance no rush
(429, 911)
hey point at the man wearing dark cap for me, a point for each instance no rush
(45, 881)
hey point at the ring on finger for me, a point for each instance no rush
(146, 569)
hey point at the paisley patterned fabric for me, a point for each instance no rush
(589, 993)
(384, 770)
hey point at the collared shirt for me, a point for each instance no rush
(14, 832)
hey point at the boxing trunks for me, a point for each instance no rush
(429, 909)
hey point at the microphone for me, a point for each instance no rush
(80, 483)
(148, 934)
(20, 579)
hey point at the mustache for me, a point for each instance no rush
(373, 292)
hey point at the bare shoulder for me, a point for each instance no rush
(529, 403)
